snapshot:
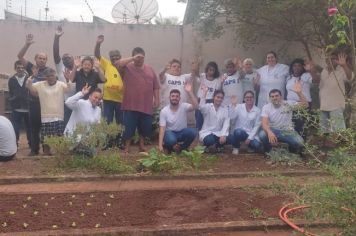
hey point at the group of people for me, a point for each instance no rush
(243, 105)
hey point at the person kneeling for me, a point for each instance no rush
(277, 122)
(247, 123)
(216, 121)
(173, 132)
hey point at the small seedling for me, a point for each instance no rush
(4, 224)
(35, 213)
(89, 204)
(70, 203)
(92, 195)
(54, 226)
(29, 198)
(104, 214)
(108, 204)
(52, 198)
(111, 196)
(11, 212)
(73, 224)
(62, 212)
(25, 225)
(24, 205)
(82, 214)
(73, 196)
(97, 225)
(46, 204)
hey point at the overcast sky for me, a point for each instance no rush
(74, 9)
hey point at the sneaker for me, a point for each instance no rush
(235, 151)
(210, 149)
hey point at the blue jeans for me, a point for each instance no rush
(16, 118)
(240, 135)
(212, 139)
(291, 137)
(185, 136)
(112, 108)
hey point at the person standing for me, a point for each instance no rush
(19, 98)
(51, 95)
(141, 95)
(231, 82)
(64, 66)
(34, 104)
(272, 76)
(113, 87)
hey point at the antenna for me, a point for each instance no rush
(90, 9)
(46, 10)
(134, 11)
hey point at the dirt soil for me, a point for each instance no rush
(32, 212)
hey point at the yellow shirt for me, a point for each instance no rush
(113, 87)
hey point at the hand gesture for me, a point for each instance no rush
(100, 39)
(297, 88)
(29, 39)
(34, 71)
(223, 78)
(29, 81)
(59, 31)
(160, 148)
(188, 87)
(309, 65)
(222, 139)
(247, 141)
(138, 56)
(86, 89)
(204, 88)
(234, 100)
(342, 59)
(66, 73)
(237, 62)
(256, 80)
(167, 67)
(77, 61)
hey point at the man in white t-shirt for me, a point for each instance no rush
(171, 77)
(8, 147)
(174, 134)
(277, 122)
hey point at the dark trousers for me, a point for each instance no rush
(35, 124)
(17, 118)
(67, 114)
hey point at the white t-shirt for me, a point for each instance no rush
(272, 78)
(216, 122)
(248, 121)
(60, 69)
(232, 86)
(83, 113)
(281, 117)
(8, 146)
(174, 120)
(211, 84)
(174, 82)
(306, 81)
(247, 82)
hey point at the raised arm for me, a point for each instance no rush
(162, 74)
(72, 102)
(189, 89)
(99, 41)
(59, 32)
(99, 70)
(22, 52)
(76, 66)
(297, 88)
(343, 63)
(125, 61)
(30, 87)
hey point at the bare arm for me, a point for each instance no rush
(99, 41)
(156, 98)
(77, 64)
(125, 61)
(30, 87)
(162, 129)
(22, 52)
(189, 88)
(58, 34)
(99, 70)
(265, 126)
(343, 63)
(162, 74)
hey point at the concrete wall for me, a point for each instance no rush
(161, 43)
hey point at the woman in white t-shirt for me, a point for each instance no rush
(298, 74)
(210, 80)
(250, 78)
(273, 76)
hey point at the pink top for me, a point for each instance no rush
(139, 84)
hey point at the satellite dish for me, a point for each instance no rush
(134, 11)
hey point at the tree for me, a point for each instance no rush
(172, 20)
(253, 21)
